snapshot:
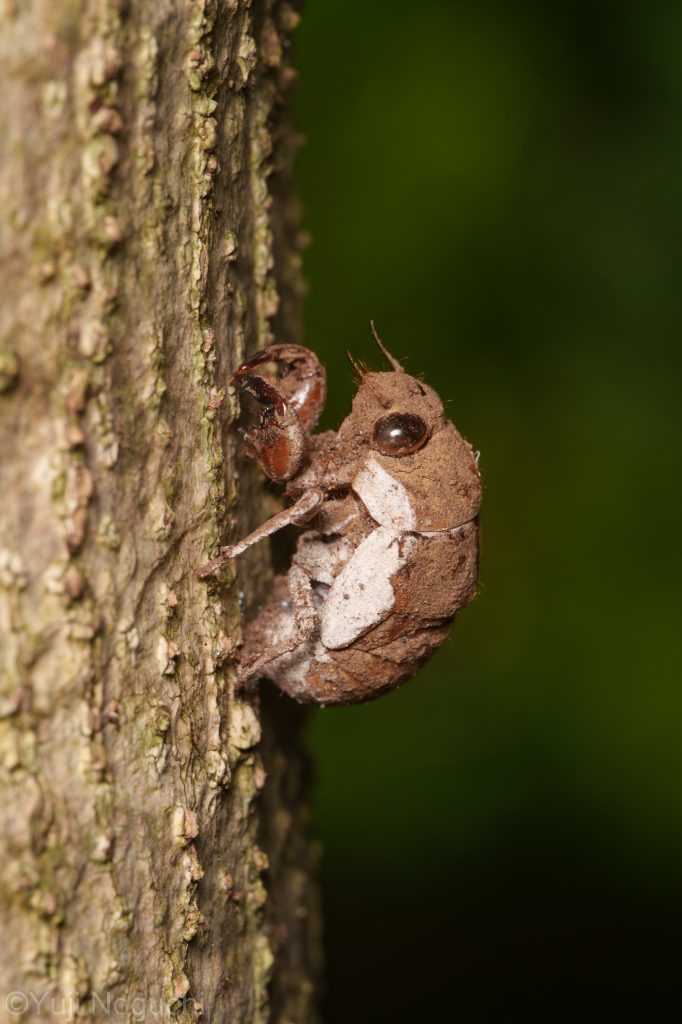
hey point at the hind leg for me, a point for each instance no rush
(280, 627)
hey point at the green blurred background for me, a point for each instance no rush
(499, 186)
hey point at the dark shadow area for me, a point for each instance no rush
(514, 946)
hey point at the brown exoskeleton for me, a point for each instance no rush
(390, 549)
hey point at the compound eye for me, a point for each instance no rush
(399, 433)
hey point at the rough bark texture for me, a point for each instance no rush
(153, 859)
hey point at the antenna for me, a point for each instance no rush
(392, 360)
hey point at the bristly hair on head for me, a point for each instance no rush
(361, 369)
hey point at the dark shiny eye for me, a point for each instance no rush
(399, 433)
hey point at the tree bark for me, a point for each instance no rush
(152, 823)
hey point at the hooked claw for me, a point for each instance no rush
(264, 392)
(279, 439)
(303, 385)
(292, 407)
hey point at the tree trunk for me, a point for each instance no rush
(154, 861)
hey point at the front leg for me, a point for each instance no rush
(295, 515)
(292, 407)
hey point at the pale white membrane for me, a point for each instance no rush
(362, 594)
(321, 559)
(385, 498)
